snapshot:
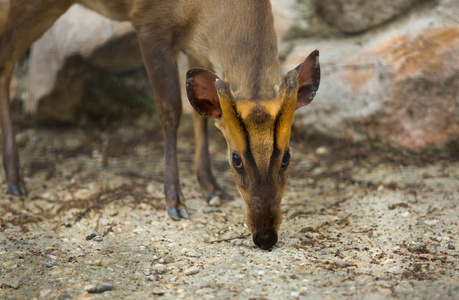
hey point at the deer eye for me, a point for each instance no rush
(286, 158)
(237, 162)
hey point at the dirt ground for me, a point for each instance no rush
(358, 223)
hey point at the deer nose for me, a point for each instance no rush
(265, 240)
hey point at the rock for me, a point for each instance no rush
(215, 201)
(160, 268)
(353, 16)
(451, 246)
(49, 263)
(92, 288)
(104, 287)
(98, 238)
(396, 87)
(431, 222)
(73, 58)
(189, 252)
(191, 271)
(147, 270)
(44, 293)
(12, 283)
(236, 242)
(416, 247)
(341, 263)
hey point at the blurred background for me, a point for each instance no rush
(390, 70)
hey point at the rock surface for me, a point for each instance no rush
(71, 54)
(398, 86)
(352, 16)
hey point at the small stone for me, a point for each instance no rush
(44, 293)
(168, 259)
(160, 268)
(341, 263)
(147, 270)
(90, 288)
(322, 150)
(431, 222)
(12, 283)
(416, 247)
(150, 188)
(451, 246)
(49, 263)
(98, 238)
(48, 250)
(215, 201)
(104, 287)
(236, 242)
(189, 252)
(98, 262)
(192, 271)
(151, 278)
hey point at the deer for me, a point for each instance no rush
(234, 78)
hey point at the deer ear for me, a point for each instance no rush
(201, 91)
(308, 79)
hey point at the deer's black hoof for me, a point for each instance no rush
(176, 214)
(17, 190)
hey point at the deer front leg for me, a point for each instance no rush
(15, 183)
(206, 180)
(161, 66)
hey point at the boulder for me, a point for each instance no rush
(73, 54)
(398, 86)
(353, 16)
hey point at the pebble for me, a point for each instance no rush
(451, 246)
(98, 238)
(341, 263)
(160, 268)
(92, 288)
(150, 188)
(151, 278)
(416, 247)
(192, 271)
(147, 270)
(322, 150)
(236, 242)
(49, 263)
(189, 252)
(431, 222)
(12, 283)
(215, 201)
(44, 293)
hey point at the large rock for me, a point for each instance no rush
(398, 86)
(72, 54)
(353, 16)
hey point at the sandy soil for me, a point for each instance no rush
(358, 223)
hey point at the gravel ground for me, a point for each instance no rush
(358, 223)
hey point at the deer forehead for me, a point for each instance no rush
(257, 132)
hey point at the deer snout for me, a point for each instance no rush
(265, 240)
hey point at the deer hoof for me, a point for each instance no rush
(17, 190)
(175, 214)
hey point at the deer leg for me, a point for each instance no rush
(161, 64)
(26, 22)
(206, 179)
